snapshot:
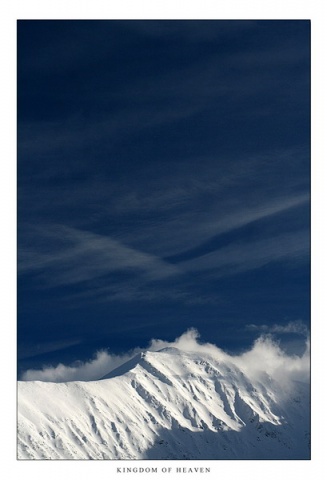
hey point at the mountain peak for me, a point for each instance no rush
(172, 350)
(138, 358)
(125, 367)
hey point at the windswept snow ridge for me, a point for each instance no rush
(167, 404)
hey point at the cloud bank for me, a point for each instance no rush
(264, 358)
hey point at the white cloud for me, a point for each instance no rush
(264, 358)
(267, 358)
(94, 369)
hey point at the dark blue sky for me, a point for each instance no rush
(163, 183)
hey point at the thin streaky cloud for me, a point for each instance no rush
(29, 351)
(244, 256)
(193, 229)
(185, 186)
(297, 327)
(192, 88)
(246, 216)
(90, 256)
(139, 289)
(86, 255)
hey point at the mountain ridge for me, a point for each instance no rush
(167, 404)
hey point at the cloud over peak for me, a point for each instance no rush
(264, 358)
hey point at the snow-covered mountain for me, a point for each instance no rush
(168, 404)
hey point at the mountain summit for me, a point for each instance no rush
(168, 404)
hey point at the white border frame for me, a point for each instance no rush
(10, 11)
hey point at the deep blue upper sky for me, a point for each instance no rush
(163, 183)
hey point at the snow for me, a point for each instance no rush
(168, 404)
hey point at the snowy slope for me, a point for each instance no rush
(165, 405)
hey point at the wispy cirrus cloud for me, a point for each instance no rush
(29, 351)
(296, 327)
(218, 221)
(62, 255)
(78, 256)
(244, 256)
(155, 231)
